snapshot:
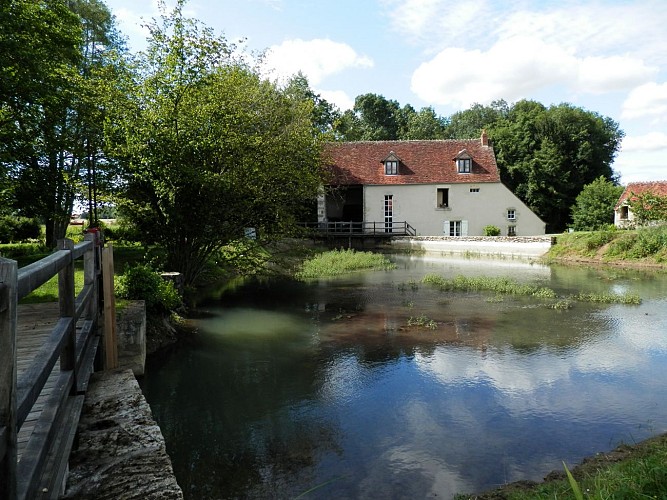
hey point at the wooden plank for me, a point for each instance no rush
(8, 307)
(110, 345)
(32, 380)
(33, 458)
(53, 480)
(36, 274)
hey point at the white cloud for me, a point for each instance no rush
(317, 59)
(517, 67)
(653, 141)
(338, 97)
(648, 100)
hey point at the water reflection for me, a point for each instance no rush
(323, 388)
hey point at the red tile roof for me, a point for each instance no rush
(421, 162)
(639, 188)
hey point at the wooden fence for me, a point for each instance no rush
(74, 339)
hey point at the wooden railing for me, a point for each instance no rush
(43, 464)
(361, 229)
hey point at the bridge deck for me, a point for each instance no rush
(35, 322)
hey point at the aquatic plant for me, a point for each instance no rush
(336, 262)
(422, 321)
(609, 298)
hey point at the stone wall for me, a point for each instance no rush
(505, 246)
(121, 451)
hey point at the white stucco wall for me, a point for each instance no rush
(417, 204)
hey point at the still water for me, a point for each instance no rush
(322, 390)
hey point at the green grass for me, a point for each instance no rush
(641, 472)
(646, 245)
(336, 262)
(48, 292)
(507, 286)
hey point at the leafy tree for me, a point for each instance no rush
(324, 114)
(547, 155)
(425, 125)
(373, 118)
(57, 115)
(648, 207)
(209, 147)
(469, 123)
(594, 207)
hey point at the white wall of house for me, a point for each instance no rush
(469, 208)
(623, 217)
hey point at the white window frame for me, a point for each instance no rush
(455, 228)
(464, 165)
(391, 167)
(511, 214)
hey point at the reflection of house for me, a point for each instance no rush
(623, 216)
(449, 187)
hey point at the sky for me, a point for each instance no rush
(606, 56)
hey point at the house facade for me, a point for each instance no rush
(440, 188)
(623, 216)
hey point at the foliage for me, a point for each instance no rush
(51, 109)
(338, 262)
(648, 244)
(422, 321)
(648, 207)
(594, 206)
(140, 282)
(18, 250)
(485, 283)
(209, 147)
(491, 230)
(17, 229)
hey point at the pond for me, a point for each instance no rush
(322, 389)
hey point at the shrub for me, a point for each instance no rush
(16, 229)
(142, 283)
(491, 230)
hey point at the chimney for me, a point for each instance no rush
(485, 138)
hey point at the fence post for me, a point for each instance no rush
(67, 303)
(90, 277)
(8, 321)
(110, 345)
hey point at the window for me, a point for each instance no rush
(455, 228)
(474, 190)
(391, 167)
(443, 197)
(463, 165)
(388, 213)
(624, 212)
(511, 230)
(511, 214)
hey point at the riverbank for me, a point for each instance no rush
(628, 471)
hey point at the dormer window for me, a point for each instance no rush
(463, 165)
(463, 162)
(391, 164)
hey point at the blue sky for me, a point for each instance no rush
(607, 56)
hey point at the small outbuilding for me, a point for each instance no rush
(623, 216)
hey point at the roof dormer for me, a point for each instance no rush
(391, 164)
(463, 162)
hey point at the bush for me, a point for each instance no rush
(16, 229)
(491, 230)
(142, 283)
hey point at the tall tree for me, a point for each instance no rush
(373, 118)
(425, 124)
(59, 131)
(594, 206)
(547, 155)
(209, 147)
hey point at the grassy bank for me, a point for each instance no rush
(336, 262)
(639, 247)
(638, 471)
